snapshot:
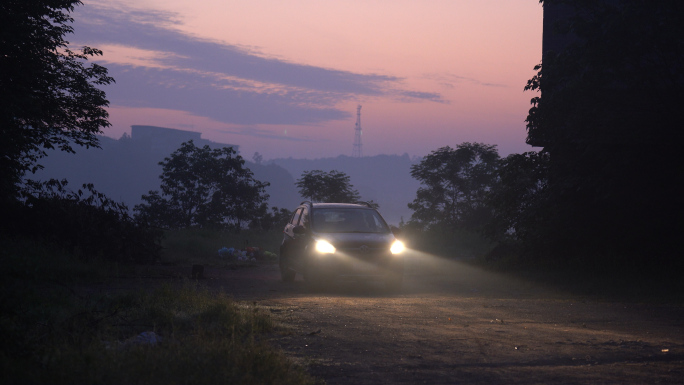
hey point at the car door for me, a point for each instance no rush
(300, 241)
(294, 244)
(289, 228)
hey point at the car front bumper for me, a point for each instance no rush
(343, 264)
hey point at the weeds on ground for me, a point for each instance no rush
(53, 330)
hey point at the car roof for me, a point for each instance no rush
(340, 206)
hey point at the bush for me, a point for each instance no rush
(201, 246)
(84, 223)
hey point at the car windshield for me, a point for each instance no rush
(343, 220)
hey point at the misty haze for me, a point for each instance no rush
(127, 168)
(459, 192)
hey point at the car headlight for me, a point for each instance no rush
(324, 247)
(397, 247)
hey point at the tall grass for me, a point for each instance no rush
(55, 329)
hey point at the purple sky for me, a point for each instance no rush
(284, 78)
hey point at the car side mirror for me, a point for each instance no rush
(299, 230)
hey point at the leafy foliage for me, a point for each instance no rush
(204, 188)
(454, 184)
(518, 195)
(333, 186)
(48, 97)
(268, 220)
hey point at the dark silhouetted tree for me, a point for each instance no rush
(333, 186)
(84, 223)
(454, 183)
(518, 197)
(48, 96)
(268, 220)
(205, 188)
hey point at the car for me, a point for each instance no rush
(330, 241)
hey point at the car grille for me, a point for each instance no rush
(365, 252)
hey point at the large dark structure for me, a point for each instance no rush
(610, 117)
(553, 14)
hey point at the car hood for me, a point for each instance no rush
(345, 240)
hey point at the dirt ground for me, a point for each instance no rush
(455, 324)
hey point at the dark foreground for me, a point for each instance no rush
(456, 324)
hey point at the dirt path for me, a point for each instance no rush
(454, 324)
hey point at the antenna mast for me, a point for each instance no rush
(357, 137)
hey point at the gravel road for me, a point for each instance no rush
(456, 324)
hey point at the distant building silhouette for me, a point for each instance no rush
(127, 168)
(166, 140)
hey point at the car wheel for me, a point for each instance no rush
(286, 273)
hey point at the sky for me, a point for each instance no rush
(284, 78)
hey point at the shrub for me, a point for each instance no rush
(202, 245)
(84, 223)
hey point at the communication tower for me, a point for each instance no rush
(357, 137)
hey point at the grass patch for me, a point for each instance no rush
(200, 246)
(53, 330)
